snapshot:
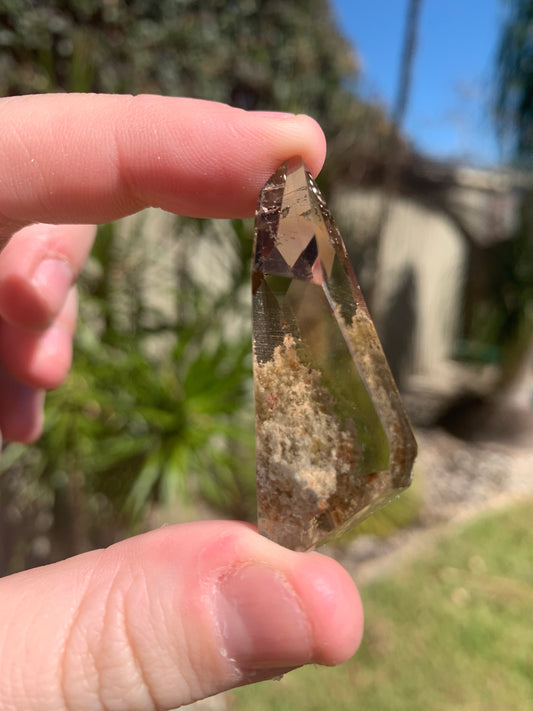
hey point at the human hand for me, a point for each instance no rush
(186, 611)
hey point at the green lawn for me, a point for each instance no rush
(451, 631)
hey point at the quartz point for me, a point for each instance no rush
(333, 441)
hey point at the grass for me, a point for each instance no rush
(452, 631)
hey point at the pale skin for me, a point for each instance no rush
(186, 611)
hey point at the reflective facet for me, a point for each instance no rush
(333, 442)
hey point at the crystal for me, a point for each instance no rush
(333, 441)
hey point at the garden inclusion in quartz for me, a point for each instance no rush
(333, 442)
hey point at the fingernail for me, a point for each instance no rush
(261, 621)
(53, 279)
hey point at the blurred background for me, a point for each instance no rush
(428, 110)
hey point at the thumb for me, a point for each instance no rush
(169, 617)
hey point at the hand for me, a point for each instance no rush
(186, 611)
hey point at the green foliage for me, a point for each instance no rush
(152, 423)
(251, 53)
(502, 319)
(445, 632)
(505, 317)
(514, 75)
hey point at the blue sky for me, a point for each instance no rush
(449, 107)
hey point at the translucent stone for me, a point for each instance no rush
(333, 441)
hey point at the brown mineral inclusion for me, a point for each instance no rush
(333, 442)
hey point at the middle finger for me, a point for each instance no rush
(37, 268)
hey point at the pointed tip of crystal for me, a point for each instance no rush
(333, 442)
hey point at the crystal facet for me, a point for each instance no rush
(333, 442)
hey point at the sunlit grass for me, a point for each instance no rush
(451, 631)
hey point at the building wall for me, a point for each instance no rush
(418, 282)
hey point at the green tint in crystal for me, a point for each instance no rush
(333, 442)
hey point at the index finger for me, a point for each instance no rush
(82, 158)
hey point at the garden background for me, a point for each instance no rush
(155, 422)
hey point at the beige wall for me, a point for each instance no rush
(427, 245)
